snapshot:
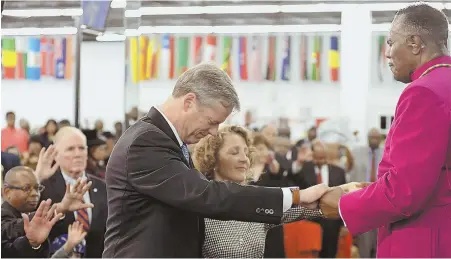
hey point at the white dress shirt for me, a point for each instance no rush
(86, 198)
(324, 173)
(287, 196)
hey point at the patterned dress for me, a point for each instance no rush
(238, 239)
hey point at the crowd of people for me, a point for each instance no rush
(262, 153)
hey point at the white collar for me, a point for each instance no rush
(170, 125)
(69, 178)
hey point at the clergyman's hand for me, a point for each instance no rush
(309, 197)
(354, 186)
(329, 203)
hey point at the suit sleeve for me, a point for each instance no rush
(21, 248)
(166, 178)
(418, 144)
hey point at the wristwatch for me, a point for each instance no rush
(295, 194)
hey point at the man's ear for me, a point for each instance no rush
(188, 101)
(416, 44)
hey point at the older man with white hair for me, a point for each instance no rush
(72, 155)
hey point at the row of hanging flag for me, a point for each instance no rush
(32, 58)
(245, 58)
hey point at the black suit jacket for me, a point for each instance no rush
(157, 201)
(55, 188)
(14, 242)
(331, 228)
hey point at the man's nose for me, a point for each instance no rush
(387, 53)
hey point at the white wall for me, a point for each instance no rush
(101, 96)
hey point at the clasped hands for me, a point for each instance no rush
(327, 197)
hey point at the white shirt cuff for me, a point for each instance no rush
(339, 212)
(287, 199)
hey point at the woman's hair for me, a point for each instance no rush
(205, 156)
(259, 138)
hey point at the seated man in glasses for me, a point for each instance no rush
(21, 194)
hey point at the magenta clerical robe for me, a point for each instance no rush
(410, 202)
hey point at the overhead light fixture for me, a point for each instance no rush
(244, 29)
(38, 31)
(118, 4)
(111, 37)
(43, 12)
(384, 27)
(240, 9)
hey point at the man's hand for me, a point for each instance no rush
(304, 154)
(73, 198)
(37, 230)
(44, 168)
(309, 197)
(329, 203)
(75, 234)
(354, 186)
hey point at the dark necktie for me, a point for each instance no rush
(319, 177)
(83, 218)
(185, 152)
(373, 167)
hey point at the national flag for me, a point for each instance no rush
(226, 55)
(210, 49)
(172, 57)
(166, 57)
(9, 58)
(316, 58)
(198, 40)
(143, 48)
(60, 58)
(69, 57)
(149, 58)
(285, 74)
(34, 59)
(51, 56)
(21, 50)
(134, 59)
(271, 68)
(304, 58)
(156, 47)
(235, 58)
(45, 63)
(243, 58)
(182, 55)
(255, 59)
(334, 58)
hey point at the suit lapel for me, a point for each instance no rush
(59, 185)
(157, 119)
(94, 197)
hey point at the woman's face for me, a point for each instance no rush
(233, 159)
(262, 153)
(51, 127)
(100, 152)
(34, 148)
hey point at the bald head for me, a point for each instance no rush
(67, 132)
(421, 19)
(72, 151)
(16, 174)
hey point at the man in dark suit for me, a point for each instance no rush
(157, 201)
(71, 146)
(316, 172)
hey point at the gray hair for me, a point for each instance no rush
(425, 20)
(210, 84)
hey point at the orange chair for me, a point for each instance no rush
(344, 246)
(302, 239)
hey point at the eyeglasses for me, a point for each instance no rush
(27, 189)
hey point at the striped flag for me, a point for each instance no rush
(134, 58)
(167, 57)
(60, 58)
(143, 48)
(316, 58)
(304, 58)
(149, 59)
(69, 57)
(243, 58)
(235, 58)
(34, 59)
(9, 58)
(210, 49)
(255, 59)
(21, 50)
(156, 43)
(45, 56)
(197, 50)
(172, 57)
(271, 68)
(226, 55)
(182, 56)
(285, 75)
(334, 59)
